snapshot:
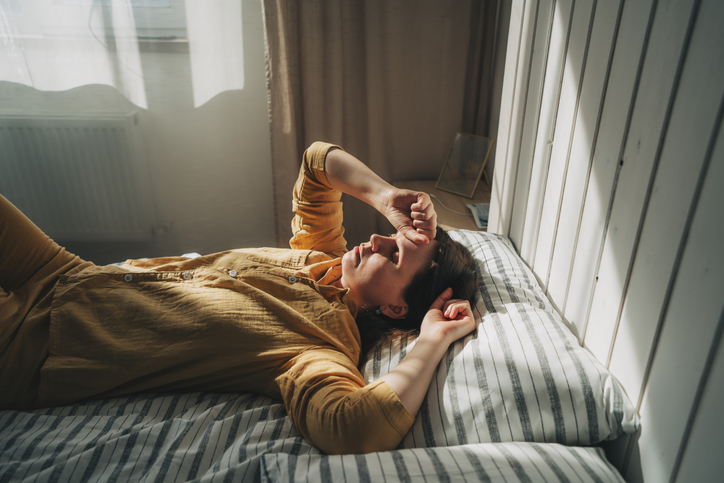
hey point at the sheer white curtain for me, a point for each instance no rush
(55, 45)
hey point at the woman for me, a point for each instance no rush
(273, 321)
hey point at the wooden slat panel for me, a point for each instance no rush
(546, 127)
(572, 81)
(643, 141)
(586, 130)
(692, 120)
(510, 118)
(689, 326)
(641, 208)
(620, 93)
(538, 64)
(520, 105)
(702, 459)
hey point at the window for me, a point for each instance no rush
(138, 46)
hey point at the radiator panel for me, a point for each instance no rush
(78, 179)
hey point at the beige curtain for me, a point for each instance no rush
(391, 81)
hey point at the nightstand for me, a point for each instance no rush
(446, 218)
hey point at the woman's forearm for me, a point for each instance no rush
(413, 375)
(410, 212)
(447, 321)
(349, 175)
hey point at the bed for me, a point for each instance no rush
(517, 400)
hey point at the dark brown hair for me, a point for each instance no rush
(451, 266)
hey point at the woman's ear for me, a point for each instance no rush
(394, 311)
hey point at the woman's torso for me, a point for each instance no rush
(230, 321)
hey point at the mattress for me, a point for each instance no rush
(517, 400)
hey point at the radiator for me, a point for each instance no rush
(78, 178)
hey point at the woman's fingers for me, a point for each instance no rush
(448, 319)
(423, 215)
(457, 308)
(421, 218)
(423, 203)
(415, 235)
(412, 214)
(451, 308)
(441, 299)
(423, 208)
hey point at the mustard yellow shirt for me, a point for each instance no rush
(261, 320)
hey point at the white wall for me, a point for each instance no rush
(609, 167)
(210, 167)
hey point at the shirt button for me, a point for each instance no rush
(233, 273)
(187, 275)
(292, 279)
(127, 277)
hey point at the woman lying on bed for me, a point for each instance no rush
(277, 322)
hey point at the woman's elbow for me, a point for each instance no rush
(360, 441)
(347, 428)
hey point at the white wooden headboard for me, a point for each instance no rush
(609, 178)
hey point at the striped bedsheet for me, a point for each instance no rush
(184, 437)
(243, 437)
(521, 379)
(483, 462)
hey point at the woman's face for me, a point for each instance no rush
(377, 272)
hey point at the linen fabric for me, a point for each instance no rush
(30, 264)
(260, 320)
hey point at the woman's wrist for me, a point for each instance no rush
(435, 345)
(384, 199)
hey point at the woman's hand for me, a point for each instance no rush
(448, 319)
(412, 214)
(445, 322)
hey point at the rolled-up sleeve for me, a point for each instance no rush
(317, 223)
(335, 411)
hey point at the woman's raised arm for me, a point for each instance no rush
(410, 212)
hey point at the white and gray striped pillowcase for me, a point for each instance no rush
(522, 376)
(484, 462)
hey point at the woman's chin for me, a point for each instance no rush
(351, 259)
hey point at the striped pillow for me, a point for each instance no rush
(522, 376)
(503, 462)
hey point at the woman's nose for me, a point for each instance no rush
(380, 242)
